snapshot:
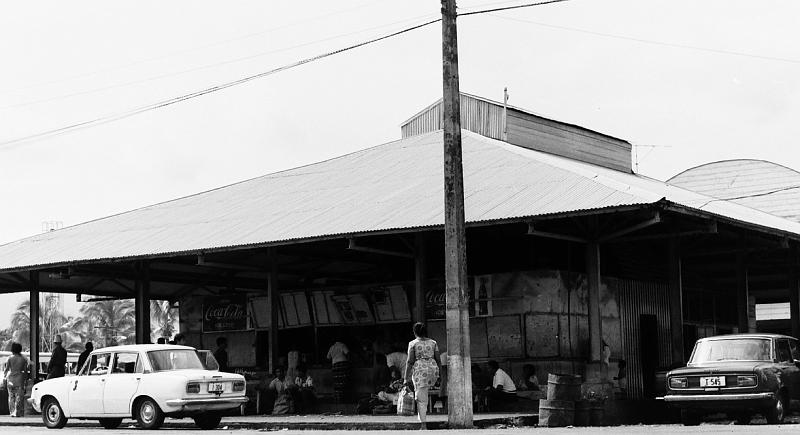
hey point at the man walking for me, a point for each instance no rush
(57, 360)
(84, 355)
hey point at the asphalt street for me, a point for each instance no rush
(706, 428)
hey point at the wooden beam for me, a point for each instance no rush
(676, 302)
(33, 317)
(593, 293)
(794, 289)
(419, 278)
(273, 292)
(633, 228)
(570, 238)
(142, 305)
(355, 247)
(742, 294)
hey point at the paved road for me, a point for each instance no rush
(756, 429)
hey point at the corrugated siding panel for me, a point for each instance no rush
(477, 116)
(393, 186)
(637, 298)
(757, 184)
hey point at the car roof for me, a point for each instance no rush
(140, 348)
(748, 335)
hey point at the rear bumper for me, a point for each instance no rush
(210, 404)
(721, 401)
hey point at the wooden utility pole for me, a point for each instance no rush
(33, 317)
(459, 384)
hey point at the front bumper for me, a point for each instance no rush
(210, 404)
(34, 404)
(721, 401)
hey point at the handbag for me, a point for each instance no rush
(405, 402)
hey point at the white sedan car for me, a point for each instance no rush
(147, 382)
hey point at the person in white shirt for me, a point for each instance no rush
(339, 356)
(397, 359)
(502, 391)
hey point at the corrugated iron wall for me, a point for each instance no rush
(637, 298)
(478, 116)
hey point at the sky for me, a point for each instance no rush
(686, 82)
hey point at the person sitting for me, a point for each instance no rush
(529, 381)
(502, 390)
(305, 399)
(279, 392)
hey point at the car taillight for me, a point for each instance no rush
(746, 381)
(678, 383)
(193, 387)
(238, 386)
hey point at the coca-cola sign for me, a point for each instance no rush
(225, 314)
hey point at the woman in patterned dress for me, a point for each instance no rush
(422, 368)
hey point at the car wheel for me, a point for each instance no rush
(690, 417)
(148, 414)
(742, 418)
(777, 411)
(110, 423)
(207, 421)
(52, 414)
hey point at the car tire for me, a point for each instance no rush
(52, 414)
(690, 417)
(742, 418)
(149, 414)
(207, 421)
(775, 413)
(110, 423)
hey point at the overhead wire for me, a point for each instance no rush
(217, 88)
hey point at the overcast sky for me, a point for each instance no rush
(699, 80)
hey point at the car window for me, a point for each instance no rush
(126, 363)
(795, 350)
(744, 349)
(783, 352)
(97, 365)
(174, 359)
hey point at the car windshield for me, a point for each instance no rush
(744, 349)
(174, 359)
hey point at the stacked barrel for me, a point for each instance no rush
(558, 410)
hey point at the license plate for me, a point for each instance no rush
(216, 387)
(712, 381)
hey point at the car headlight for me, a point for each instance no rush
(238, 386)
(746, 381)
(678, 383)
(193, 387)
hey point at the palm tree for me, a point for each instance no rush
(6, 337)
(163, 319)
(51, 320)
(111, 322)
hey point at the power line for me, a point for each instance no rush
(185, 97)
(648, 41)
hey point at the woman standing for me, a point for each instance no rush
(422, 368)
(339, 355)
(16, 374)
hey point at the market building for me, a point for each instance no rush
(574, 260)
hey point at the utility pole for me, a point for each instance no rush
(459, 383)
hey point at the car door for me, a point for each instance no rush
(86, 390)
(121, 383)
(794, 372)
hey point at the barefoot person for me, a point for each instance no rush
(422, 368)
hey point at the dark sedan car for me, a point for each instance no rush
(741, 375)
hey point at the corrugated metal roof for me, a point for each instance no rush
(393, 186)
(758, 184)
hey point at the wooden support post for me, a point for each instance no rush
(794, 290)
(595, 325)
(142, 305)
(459, 385)
(419, 277)
(35, 332)
(273, 292)
(676, 301)
(742, 293)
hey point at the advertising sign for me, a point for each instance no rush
(228, 313)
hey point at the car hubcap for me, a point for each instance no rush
(148, 412)
(52, 413)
